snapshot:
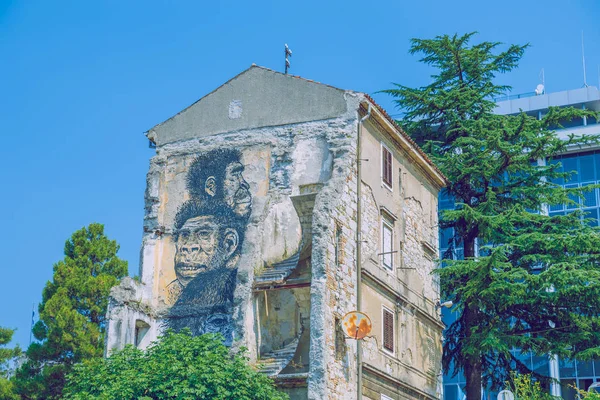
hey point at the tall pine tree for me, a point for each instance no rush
(528, 280)
(7, 356)
(72, 313)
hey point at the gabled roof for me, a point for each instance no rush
(257, 97)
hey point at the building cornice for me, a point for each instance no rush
(372, 280)
(405, 143)
(411, 391)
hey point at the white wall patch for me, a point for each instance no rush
(235, 109)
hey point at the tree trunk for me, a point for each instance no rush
(473, 366)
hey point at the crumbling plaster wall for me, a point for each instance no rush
(412, 205)
(277, 161)
(333, 363)
(410, 290)
(127, 309)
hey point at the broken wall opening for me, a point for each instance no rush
(283, 329)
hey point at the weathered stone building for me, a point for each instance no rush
(251, 230)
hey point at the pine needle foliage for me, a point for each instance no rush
(528, 281)
(72, 313)
(7, 356)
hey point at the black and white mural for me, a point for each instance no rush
(209, 231)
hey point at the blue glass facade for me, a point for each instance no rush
(585, 169)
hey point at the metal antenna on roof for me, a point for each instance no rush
(583, 61)
(288, 52)
(541, 89)
(32, 321)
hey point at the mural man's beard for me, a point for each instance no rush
(186, 272)
(206, 304)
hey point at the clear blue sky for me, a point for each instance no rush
(80, 81)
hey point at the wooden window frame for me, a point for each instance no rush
(387, 167)
(387, 222)
(385, 310)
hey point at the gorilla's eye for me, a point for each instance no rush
(219, 321)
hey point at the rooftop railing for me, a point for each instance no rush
(514, 96)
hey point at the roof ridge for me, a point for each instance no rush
(298, 77)
(252, 66)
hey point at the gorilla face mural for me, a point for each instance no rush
(217, 175)
(209, 231)
(197, 247)
(236, 193)
(209, 239)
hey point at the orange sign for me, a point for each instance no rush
(356, 325)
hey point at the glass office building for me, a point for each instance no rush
(585, 167)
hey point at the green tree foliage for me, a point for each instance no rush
(6, 356)
(525, 388)
(588, 395)
(177, 366)
(534, 284)
(72, 313)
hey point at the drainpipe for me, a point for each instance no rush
(359, 248)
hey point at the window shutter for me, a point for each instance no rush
(386, 166)
(388, 330)
(389, 172)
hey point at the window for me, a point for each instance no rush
(388, 330)
(141, 328)
(386, 166)
(577, 373)
(387, 243)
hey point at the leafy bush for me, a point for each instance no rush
(588, 395)
(524, 388)
(177, 366)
